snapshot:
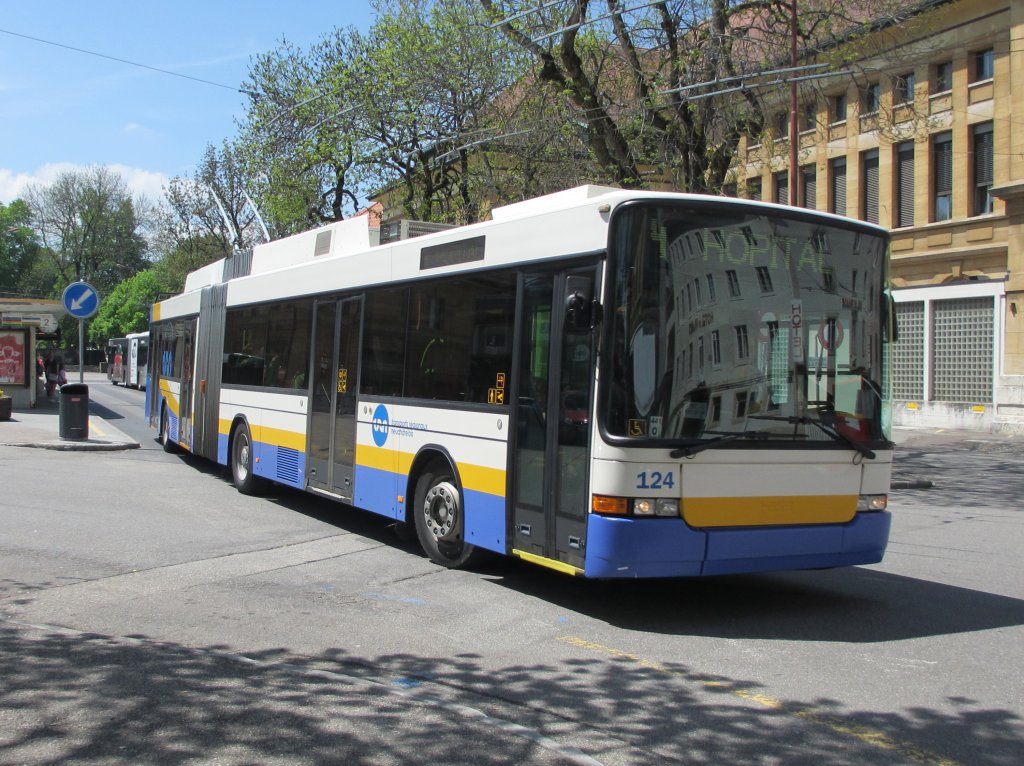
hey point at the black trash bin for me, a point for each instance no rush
(74, 411)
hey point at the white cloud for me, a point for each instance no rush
(140, 181)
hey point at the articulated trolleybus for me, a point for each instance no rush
(608, 383)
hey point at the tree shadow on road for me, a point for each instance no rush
(70, 697)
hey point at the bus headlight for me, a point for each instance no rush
(655, 506)
(872, 502)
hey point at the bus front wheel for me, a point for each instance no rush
(244, 479)
(439, 519)
(165, 432)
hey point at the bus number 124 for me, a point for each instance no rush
(655, 480)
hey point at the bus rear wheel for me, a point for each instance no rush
(244, 479)
(440, 521)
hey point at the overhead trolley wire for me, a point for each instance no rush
(125, 61)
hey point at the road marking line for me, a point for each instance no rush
(96, 428)
(868, 736)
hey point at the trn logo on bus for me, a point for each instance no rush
(381, 425)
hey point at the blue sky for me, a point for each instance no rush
(61, 109)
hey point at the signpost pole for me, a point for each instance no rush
(81, 350)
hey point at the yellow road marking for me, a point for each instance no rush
(92, 427)
(864, 734)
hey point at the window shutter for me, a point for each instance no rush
(943, 164)
(983, 147)
(810, 176)
(782, 188)
(871, 186)
(905, 165)
(839, 186)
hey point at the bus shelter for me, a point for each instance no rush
(22, 322)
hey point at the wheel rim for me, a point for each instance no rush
(242, 457)
(441, 510)
(166, 430)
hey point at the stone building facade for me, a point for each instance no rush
(926, 138)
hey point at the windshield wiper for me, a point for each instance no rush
(693, 449)
(828, 428)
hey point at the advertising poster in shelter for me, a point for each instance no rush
(12, 357)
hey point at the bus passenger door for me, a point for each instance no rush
(332, 426)
(347, 369)
(552, 436)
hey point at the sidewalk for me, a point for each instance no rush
(40, 427)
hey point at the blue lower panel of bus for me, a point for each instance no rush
(669, 548)
(378, 491)
(280, 464)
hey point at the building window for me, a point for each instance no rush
(764, 279)
(809, 182)
(942, 80)
(828, 279)
(908, 353)
(711, 288)
(700, 353)
(716, 347)
(754, 189)
(781, 125)
(741, 405)
(942, 171)
(837, 107)
(869, 196)
(734, 283)
(810, 116)
(963, 351)
(903, 91)
(716, 409)
(697, 291)
(838, 173)
(983, 65)
(781, 181)
(742, 343)
(981, 138)
(871, 98)
(905, 184)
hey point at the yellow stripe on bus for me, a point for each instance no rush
(156, 312)
(279, 437)
(276, 437)
(169, 398)
(475, 477)
(763, 511)
(559, 566)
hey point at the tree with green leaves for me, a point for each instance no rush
(19, 247)
(302, 152)
(208, 216)
(126, 309)
(403, 107)
(90, 227)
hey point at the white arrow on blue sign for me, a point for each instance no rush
(80, 300)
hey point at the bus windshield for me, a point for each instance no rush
(744, 322)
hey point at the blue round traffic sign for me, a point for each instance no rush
(80, 300)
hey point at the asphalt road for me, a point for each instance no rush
(151, 614)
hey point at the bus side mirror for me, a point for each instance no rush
(582, 310)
